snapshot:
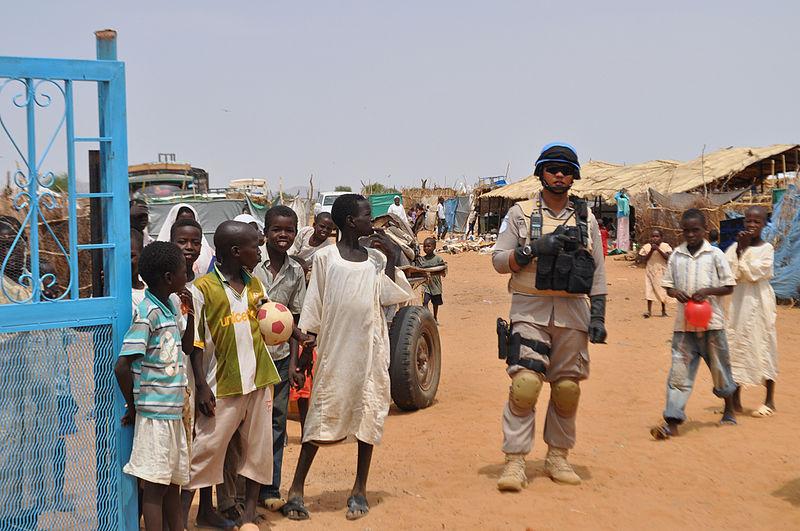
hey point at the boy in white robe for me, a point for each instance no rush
(350, 285)
(751, 321)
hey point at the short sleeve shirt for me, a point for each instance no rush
(235, 358)
(159, 376)
(288, 287)
(707, 268)
(434, 285)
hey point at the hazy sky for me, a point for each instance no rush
(353, 91)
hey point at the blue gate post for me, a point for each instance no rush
(114, 163)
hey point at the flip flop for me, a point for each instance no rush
(357, 507)
(660, 433)
(763, 411)
(297, 506)
(728, 421)
(273, 504)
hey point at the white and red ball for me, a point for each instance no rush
(276, 323)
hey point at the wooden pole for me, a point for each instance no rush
(96, 223)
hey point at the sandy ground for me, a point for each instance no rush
(437, 468)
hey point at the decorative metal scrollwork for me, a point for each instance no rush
(34, 195)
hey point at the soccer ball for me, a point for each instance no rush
(276, 323)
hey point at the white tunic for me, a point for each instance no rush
(752, 338)
(344, 306)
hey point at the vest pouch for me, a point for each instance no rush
(544, 272)
(582, 277)
(561, 273)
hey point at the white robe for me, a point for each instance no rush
(752, 338)
(344, 306)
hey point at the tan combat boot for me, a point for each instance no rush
(557, 467)
(513, 478)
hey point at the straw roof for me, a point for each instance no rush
(730, 167)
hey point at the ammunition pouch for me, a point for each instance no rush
(509, 344)
(570, 271)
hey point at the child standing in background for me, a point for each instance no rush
(655, 255)
(432, 290)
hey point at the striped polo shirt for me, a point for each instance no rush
(707, 268)
(235, 357)
(159, 376)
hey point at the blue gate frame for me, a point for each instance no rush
(99, 323)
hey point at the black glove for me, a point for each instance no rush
(523, 255)
(597, 321)
(549, 244)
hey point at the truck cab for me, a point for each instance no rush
(326, 200)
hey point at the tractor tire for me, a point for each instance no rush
(416, 358)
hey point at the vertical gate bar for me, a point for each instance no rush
(74, 275)
(121, 279)
(33, 191)
(114, 176)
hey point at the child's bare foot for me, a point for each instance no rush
(646, 315)
(664, 314)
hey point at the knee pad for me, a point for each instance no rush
(565, 395)
(524, 391)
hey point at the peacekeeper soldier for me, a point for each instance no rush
(551, 246)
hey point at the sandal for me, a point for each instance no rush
(763, 411)
(661, 433)
(298, 507)
(233, 513)
(357, 507)
(728, 420)
(273, 504)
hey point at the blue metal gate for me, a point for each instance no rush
(61, 444)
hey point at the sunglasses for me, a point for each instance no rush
(564, 169)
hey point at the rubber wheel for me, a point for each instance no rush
(416, 358)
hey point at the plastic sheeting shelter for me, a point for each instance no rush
(211, 214)
(380, 203)
(456, 212)
(784, 234)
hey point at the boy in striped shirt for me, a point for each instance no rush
(152, 377)
(697, 271)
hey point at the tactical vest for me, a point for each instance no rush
(524, 280)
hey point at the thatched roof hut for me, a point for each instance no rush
(726, 169)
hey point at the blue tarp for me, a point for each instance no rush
(784, 234)
(456, 212)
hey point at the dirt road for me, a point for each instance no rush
(437, 468)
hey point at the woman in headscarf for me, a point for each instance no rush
(259, 226)
(182, 210)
